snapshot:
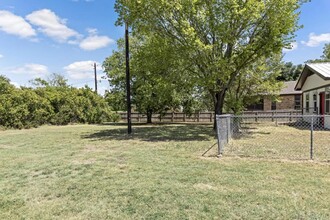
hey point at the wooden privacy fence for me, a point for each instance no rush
(170, 117)
(198, 117)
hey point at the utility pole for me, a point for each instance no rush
(128, 84)
(95, 76)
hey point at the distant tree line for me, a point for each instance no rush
(52, 102)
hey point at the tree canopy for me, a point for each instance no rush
(155, 85)
(215, 40)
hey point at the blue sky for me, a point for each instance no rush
(39, 37)
(315, 33)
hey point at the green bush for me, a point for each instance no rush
(57, 105)
(23, 108)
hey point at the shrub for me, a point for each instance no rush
(57, 105)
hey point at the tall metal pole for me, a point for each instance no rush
(95, 76)
(128, 84)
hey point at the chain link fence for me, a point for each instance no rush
(292, 137)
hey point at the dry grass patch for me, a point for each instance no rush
(265, 140)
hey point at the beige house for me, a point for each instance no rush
(290, 99)
(314, 82)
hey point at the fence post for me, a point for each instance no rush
(172, 119)
(276, 121)
(228, 129)
(256, 119)
(198, 117)
(290, 119)
(218, 135)
(184, 117)
(272, 116)
(211, 114)
(312, 139)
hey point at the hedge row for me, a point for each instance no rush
(57, 105)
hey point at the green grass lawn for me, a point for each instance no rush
(98, 172)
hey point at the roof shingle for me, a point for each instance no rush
(288, 88)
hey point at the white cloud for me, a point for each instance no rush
(315, 40)
(1, 56)
(95, 42)
(92, 31)
(16, 25)
(52, 25)
(17, 85)
(35, 70)
(293, 46)
(82, 69)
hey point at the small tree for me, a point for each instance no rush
(254, 84)
(154, 86)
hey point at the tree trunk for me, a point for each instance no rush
(218, 106)
(149, 116)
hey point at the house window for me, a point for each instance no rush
(307, 102)
(315, 103)
(257, 106)
(273, 105)
(297, 102)
(327, 103)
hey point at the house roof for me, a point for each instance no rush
(289, 88)
(321, 69)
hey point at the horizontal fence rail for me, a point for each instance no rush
(170, 117)
(198, 117)
(296, 137)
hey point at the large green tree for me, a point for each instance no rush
(155, 86)
(216, 39)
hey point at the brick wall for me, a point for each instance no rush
(267, 105)
(286, 102)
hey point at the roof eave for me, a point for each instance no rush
(302, 78)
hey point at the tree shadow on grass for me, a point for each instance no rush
(156, 133)
(248, 131)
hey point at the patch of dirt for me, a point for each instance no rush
(93, 148)
(2, 147)
(84, 162)
(204, 186)
(122, 166)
